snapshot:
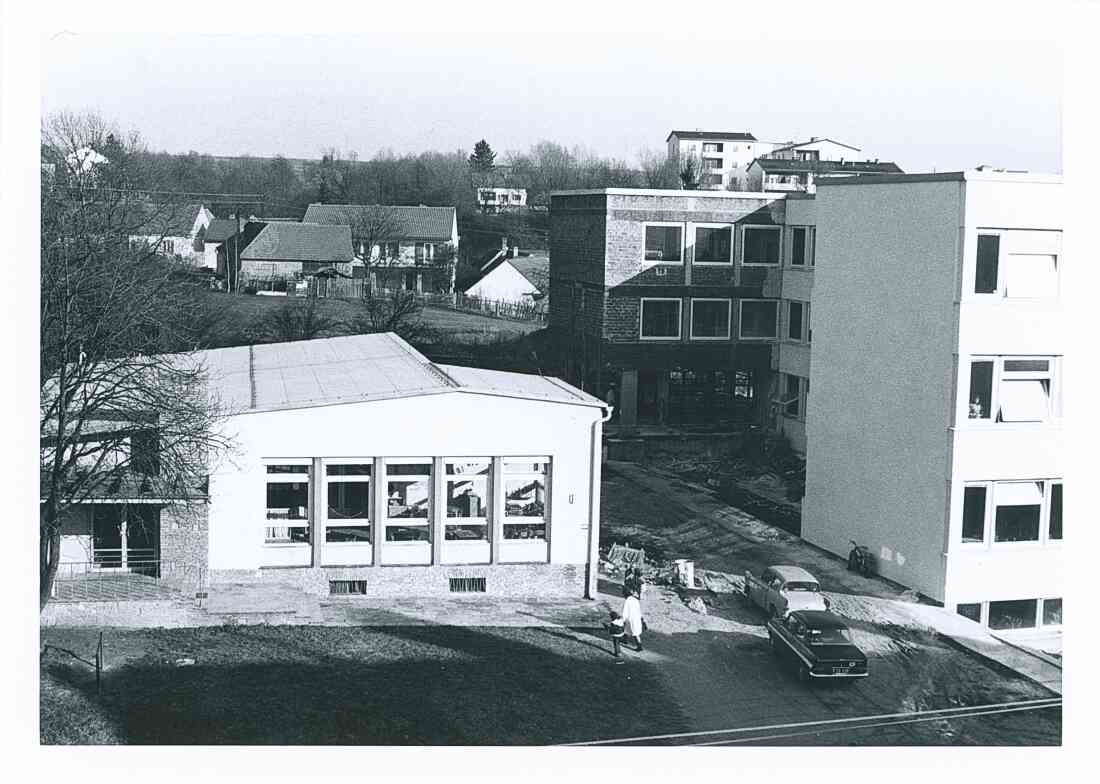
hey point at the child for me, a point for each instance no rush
(626, 624)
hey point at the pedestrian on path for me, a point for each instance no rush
(628, 623)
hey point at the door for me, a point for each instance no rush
(107, 535)
(411, 281)
(647, 396)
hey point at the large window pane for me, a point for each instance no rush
(1018, 509)
(1055, 527)
(408, 490)
(1024, 400)
(525, 500)
(660, 318)
(467, 500)
(972, 610)
(798, 247)
(710, 318)
(981, 389)
(349, 500)
(1016, 614)
(1052, 612)
(663, 243)
(758, 318)
(713, 245)
(794, 321)
(973, 523)
(761, 246)
(287, 500)
(989, 249)
(792, 395)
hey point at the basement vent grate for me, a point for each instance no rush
(345, 587)
(467, 584)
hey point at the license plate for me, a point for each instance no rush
(840, 670)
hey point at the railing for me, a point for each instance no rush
(106, 578)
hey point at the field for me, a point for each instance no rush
(238, 313)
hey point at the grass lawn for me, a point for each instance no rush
(355, 686)
(239, 311)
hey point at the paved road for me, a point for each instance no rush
(724, 673)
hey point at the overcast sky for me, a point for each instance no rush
(925, 105)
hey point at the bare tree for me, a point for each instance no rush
(658, 170)
(691, 172)
(119, 414)
(395, 311)
(295, 320)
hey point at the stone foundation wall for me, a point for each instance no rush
(184, 544)
(541, 581)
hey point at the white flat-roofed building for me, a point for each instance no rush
(934, 432)
(724, 156)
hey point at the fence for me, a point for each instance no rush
(343, 288)
(144, 578)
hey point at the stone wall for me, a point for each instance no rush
(505, 580)
(184, 544)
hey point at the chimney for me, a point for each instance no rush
(515, 251)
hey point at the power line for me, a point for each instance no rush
(939, 713)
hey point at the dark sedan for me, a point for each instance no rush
(819, 643)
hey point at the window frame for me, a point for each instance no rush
(683, 242)
(517, 520)
(692, 229)
(679, 319)
(729, 318)
(745, 245)
(486, 479)
(807, 248)
(288, 477)
(349, 522)
(999, 292)
(1052, 375)
(804, 325)
(387, 522)
(741, 318)
(989, 519)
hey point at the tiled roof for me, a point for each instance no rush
(170, 220)
(738, 136)
(434, 224)
(536, 268)
(351, 369)
(301, 242)
(220, 229)
(826, 167)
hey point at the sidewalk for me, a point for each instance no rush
(722, 538)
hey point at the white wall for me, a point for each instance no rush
(987, 451)
(504, 283)
(881, 374)
(451, 424)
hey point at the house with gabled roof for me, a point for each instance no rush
(512, 277)
(398, 247)
(289, 250)
(175, 231)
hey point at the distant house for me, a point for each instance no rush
(294, 250)
(493, 200)
(513, 278)
(410, 248)
(219, 231)
(780, 175)
(176, 231)
(816, 149)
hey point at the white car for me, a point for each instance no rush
(783, 589)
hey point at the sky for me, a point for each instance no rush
(926, 105)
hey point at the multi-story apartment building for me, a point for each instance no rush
(934, 428)
(724, 156)
(673, 303)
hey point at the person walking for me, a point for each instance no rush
(628, 623)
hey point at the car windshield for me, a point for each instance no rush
(811, 587)
(829, 636)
